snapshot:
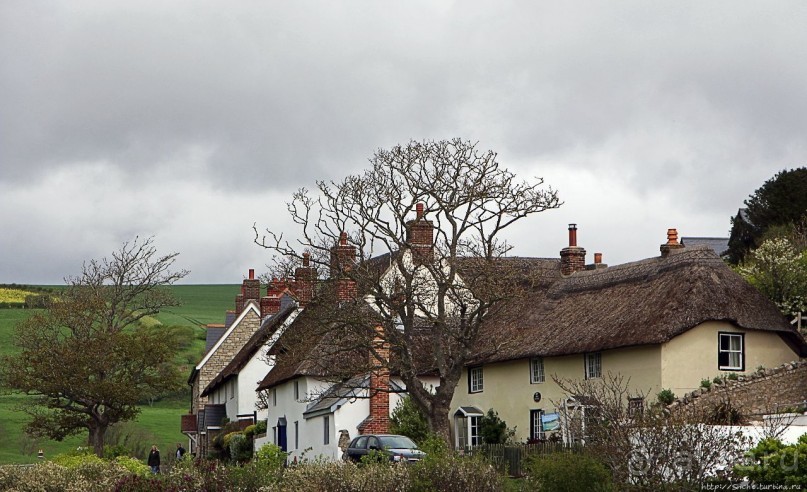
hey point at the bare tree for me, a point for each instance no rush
(644, 444)
(85, 358)
(426, 222)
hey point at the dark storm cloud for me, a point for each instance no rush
(191, 120)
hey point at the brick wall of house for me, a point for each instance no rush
(766, 391)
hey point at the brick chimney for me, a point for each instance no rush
(304, 279)
(573, 257)
(270, 304)
(252, 287)
(671, 244)
(343, 259)
(598, 264)
(378, 420)
(420, 235)
(239, 301)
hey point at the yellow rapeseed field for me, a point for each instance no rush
(13, 295)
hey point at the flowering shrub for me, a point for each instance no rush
(317, 475)
(266, 473)
(88, 476)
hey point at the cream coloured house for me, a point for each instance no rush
(666, 323)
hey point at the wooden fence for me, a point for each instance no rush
(509, 458)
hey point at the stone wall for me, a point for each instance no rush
(226, 352)
(766, 391)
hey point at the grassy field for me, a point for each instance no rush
(159, 424)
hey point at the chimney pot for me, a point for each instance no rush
(306, 258)
(252, 274)
(343, 239)
(672, 236)
(671, 244)
(419, 208)
(597, 258)
(572, 235)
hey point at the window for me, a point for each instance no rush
(296, 434)
(274, 397)
(537, 370)
(467, 422)
(475, 437)
(536, 427)
(635, 407)
(593, 364)
(475, 382)
(731, 352)
(232, 389)
(326, 425)
(297, 390)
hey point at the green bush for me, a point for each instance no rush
(316, 476)
(240, 448)
(665, 396)
(771, 462)
(78, 458)
(408, 420)
(567, 472)
(494, 430)
(260, 427)
(133, 465)
(271, 455)
(706, 383)
(449, 471)
(87, 476)
(249, 431)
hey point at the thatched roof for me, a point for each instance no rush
(315, 346)
(256, 341)
(640, 303)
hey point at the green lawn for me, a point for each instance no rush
(158, 424)
(8, 320)
(201, 304)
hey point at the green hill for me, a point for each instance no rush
(201, 305)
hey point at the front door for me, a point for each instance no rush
(281, 437)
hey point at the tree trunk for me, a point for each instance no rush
(439, 418)
(96, 439)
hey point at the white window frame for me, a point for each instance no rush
(467, 422)
(296, 390)
(537, 427)
(738, 352)
(274, 397)
(476, 379)
(326, 427)
(474, 430)
(593, 365)
(537, 374)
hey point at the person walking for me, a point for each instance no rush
(180, 451)
(154, 459)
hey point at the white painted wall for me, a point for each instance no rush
(311, 443)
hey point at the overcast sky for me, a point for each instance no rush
(191, 121)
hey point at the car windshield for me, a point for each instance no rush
(397, 442)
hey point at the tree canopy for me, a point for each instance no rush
(375, 229)
(86, 358)
(781, 200)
